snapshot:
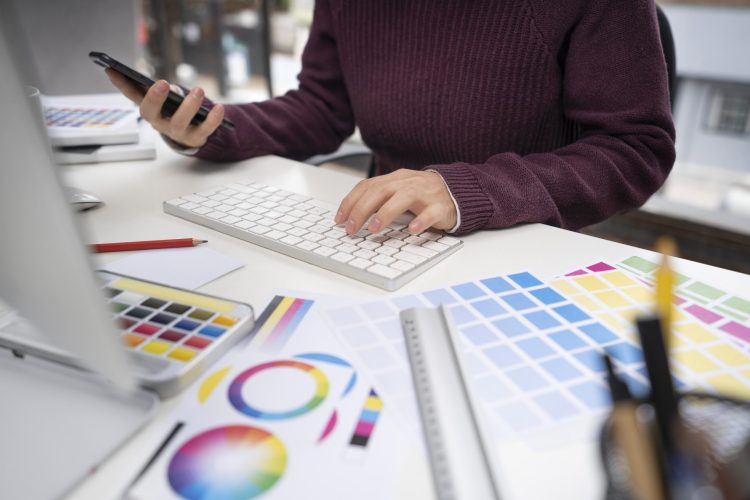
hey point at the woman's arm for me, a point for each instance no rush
(316, 118)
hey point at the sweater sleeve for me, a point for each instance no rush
(313, 119)
(615, 87)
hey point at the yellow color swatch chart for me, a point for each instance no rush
(707, 348)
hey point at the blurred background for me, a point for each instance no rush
(248, 50)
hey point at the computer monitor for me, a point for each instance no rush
(46, 274)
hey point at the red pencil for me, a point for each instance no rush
(145, 245)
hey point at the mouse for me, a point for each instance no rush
(83, 200)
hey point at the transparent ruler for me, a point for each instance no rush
(461, 463)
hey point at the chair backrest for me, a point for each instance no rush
(667, 43)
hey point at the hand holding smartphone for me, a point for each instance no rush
(173, 99)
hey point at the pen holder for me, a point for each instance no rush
(723, 421)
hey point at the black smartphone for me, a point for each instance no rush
(173, 99)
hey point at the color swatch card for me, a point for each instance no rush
(534, 348)
(527, 347)
(710, 304)
(281, 425)
(708, 349)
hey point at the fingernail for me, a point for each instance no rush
(161, 87)
(350, 226)
(197, 92)
(375, 225)
(416, 226)
(339, 217)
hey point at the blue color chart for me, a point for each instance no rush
(534, 356)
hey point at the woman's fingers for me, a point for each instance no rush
(382, 199)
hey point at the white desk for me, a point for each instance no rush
(134, 191)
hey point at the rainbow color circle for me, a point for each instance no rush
(321, 390)
(236, 461)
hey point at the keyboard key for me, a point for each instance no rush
(282, 226)
(415, 240)
(177, 202)
(394, 243)
(342, 257)
(449, 240)
(258, 229)
(431, 235)
(424, 252)
(402, 265)
(398, 235)
(410, 257)
(346, 248)
(297, 231)
(434, 245)
(291, 240)
(364, 254)
(330, 242)
(314, 237)
(275, 234)
(307, 245)
(368, 245)
(385, 271)
(244, 224)
(386, 250)
(383, 259)
(324, 251)
(230, 219)
(360, 263)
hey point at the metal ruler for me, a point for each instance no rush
(460, 461)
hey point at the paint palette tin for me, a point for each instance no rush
(171, 333)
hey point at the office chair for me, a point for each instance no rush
(667, 44)
(348, 151)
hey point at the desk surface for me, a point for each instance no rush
(134, 192)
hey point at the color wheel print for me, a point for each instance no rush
(236, 461)
(237, 398)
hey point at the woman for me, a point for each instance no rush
(481, 113)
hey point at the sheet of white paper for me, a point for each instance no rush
(187, 268)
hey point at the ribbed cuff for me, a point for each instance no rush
(473, 203)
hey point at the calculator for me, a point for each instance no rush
(172, 334)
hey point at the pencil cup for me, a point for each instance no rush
(715, 432)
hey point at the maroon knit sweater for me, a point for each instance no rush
(531, 110)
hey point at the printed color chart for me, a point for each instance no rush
(727, 312)
(534, 349)
(199, 468)
(532, 354)
(277, 323)
(237, 398)
(704, 353)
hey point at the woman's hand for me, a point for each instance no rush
(177, 127)
(381, 199)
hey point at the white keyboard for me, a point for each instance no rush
(302, 227)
